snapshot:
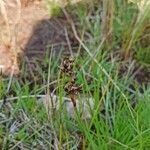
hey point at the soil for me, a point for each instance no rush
(34, 34)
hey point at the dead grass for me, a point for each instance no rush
(17, 22)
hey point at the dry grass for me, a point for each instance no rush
(14, 22)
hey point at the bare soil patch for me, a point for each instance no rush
(33, 35)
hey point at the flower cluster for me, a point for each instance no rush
(71, 88)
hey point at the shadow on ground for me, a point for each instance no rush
(50, 34)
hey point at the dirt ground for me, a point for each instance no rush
(29, 32)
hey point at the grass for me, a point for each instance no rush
(120, 114)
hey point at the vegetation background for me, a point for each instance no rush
(109, 43)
